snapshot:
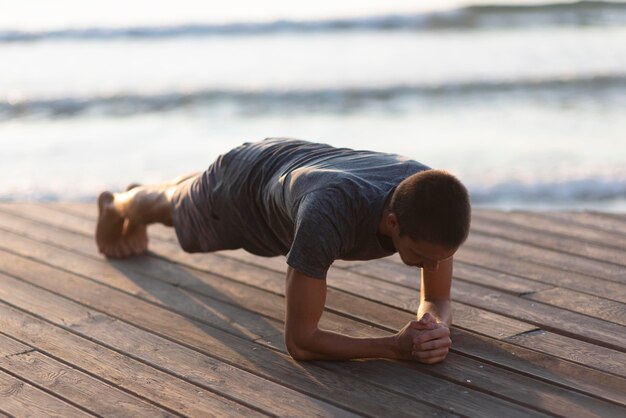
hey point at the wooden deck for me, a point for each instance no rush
(539, 325)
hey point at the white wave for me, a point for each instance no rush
(582, 13)
(319, 100)
(591, 189)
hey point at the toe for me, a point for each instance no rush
(104, 200)
(132, 186)
(110, 223)
(109, 252)
(124, 250)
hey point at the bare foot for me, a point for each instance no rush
(122, 221)
(116, 236)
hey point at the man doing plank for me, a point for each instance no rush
(313, 203)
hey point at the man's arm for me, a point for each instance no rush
(435, 300)
(435, 293)
(305, 299)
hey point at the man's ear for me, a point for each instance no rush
(392, 220)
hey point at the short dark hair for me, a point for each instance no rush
(433, 206)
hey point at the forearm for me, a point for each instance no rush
(327, 345)
(435, 293)
(441, 310)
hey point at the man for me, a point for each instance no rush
(313, 203)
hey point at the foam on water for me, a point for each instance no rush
(582, 13)
(608, 90)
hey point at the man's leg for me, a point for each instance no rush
(123, 217)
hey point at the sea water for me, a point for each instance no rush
(526, 103)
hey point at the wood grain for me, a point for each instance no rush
(537, 221)
(122, 371)
(227, 307)
(70, 384)
(19, 398)
(523, 386)
(532, 254)
(589, 219)
(221, 348)
(494, 259)
(594, 306)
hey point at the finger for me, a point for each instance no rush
(433, 344)
(440, 352)
(425, 326)
(427, 317)
(432, 360)
(431, 335)
(422, 325)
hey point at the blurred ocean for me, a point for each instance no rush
(526, 103)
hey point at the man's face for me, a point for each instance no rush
(419, 253)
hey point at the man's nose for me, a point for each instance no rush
(431, 265)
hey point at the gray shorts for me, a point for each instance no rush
(196, 209)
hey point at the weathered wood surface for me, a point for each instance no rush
(539, 325)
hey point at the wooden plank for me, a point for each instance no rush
(401, 319)
(586, 304)
(398, 375)
(553, 397)
(544, 239)
(343, 295)
(538, 312)
(489, 323)
(397, 319)
(403, 276)
(230, 379)
(587, 354)
(10, 347)
(563, 401)
(589, 219)
(530, 253)
(621, 217)
(533, 362)
(385, 294)
(599, 227)
(566, 354)
(473, 374)
(409, 276)
(86, 210)
(135, 377)
(70, 384)
(218, 308)
(271, 278)
(538, 222)
(239, 271)
(21, 399)
(412, 377)
(549, 275)
(100, 327)
(568, 323)
(550, 318)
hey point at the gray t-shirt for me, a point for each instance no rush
(311, 202)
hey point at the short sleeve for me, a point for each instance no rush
(323, 229)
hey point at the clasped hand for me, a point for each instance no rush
(426, 340)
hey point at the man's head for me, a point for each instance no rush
(430, 216)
